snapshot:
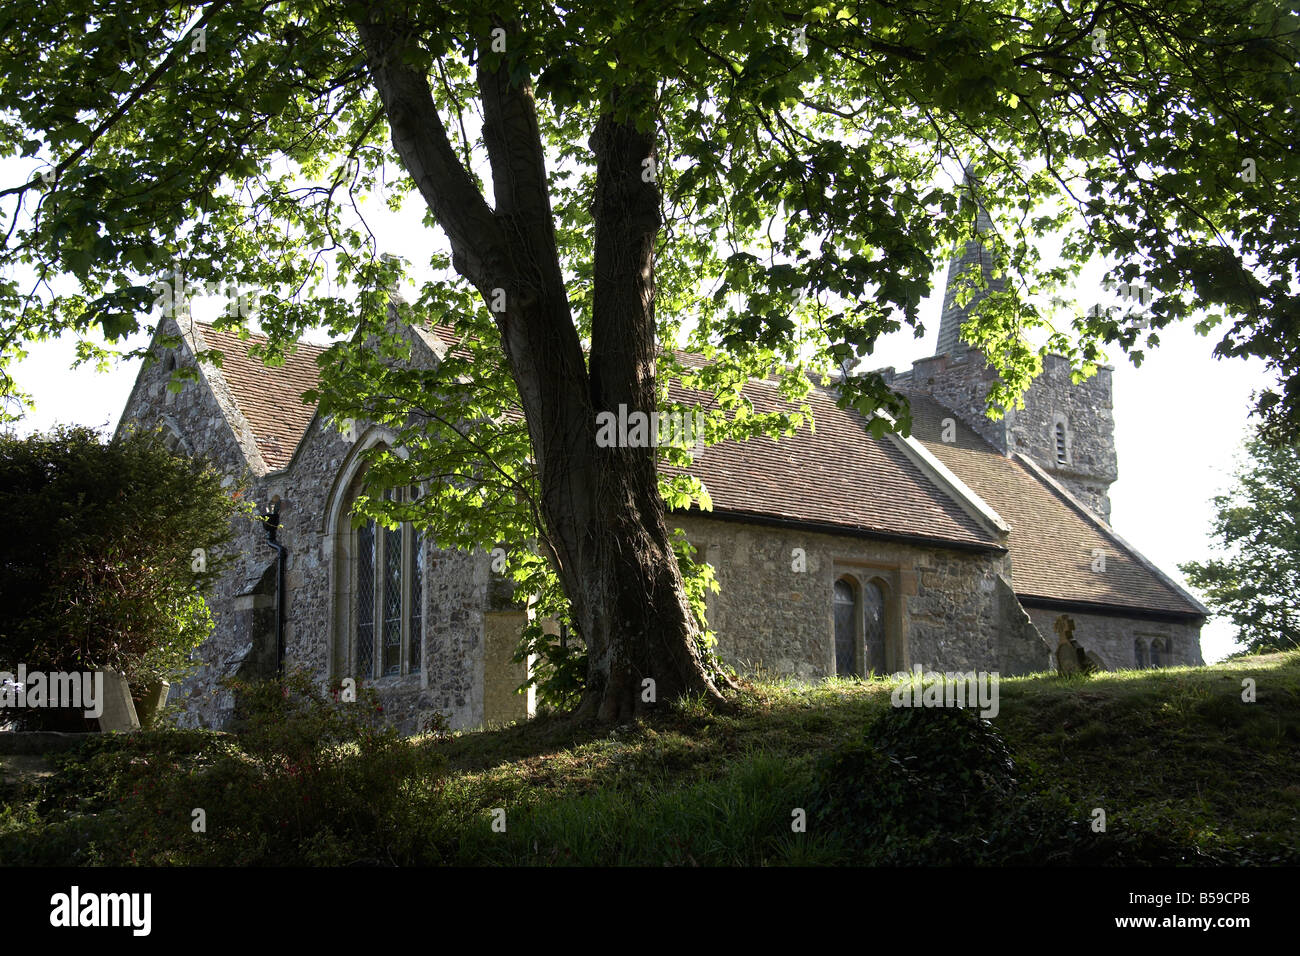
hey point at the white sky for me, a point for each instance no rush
(1179, 419)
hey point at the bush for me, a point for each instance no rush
(939, 786)
(97, 563)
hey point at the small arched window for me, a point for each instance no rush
(846, 628)
(873, 631)
(1062, 452)
(1140, 657)
(1157, 653)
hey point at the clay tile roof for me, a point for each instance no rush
(835, 475)
(1052, 539)
(446, 337)
(270, 398)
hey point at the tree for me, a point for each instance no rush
(106, 550)
(1256, 584)
(761, 181)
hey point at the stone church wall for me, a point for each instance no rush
(1085, 409)
(450, 677)
(1022, 647)
(1112, 637)
(944, 608)
(962, 382)
(196, 418)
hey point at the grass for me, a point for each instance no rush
(1172, 753)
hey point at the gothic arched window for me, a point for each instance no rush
(387, 633)
(873, 631)
(860, 628)
(1157, 653)
(846, 628)
(1140, 654)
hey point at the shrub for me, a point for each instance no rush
(97, 564)
(939, 786)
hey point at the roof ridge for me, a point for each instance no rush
(262, 337)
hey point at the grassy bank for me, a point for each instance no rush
(1183, 768)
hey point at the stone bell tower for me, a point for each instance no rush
(1067, 429)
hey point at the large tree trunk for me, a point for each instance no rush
(643, 639)
(605, 523)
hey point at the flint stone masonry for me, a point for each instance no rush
(947, 606)
(450, 680)
(1111, 637)
(1085, 409)
(198, 420)
(962, 383)
(943, 608)
(1022, 648)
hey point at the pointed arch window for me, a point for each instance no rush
(387, 633)
(1140, 656)
(846, 628)
(861, 634)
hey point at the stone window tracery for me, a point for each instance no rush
(861, 631)
(387, 632)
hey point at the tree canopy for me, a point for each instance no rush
(768, 184)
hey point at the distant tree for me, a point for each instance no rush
(1256, 584)
(106, 548)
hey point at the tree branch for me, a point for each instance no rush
(421, 140)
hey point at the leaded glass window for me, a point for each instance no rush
(873, 613)
(846, 628)
(366, 598)
(861, 627)
(393, 599)
(415, 615)
(388, 630)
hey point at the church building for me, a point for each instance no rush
(971, 545)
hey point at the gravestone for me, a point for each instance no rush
(119, 708)
(1071, 656)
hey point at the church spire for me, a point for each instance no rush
(975, 254)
